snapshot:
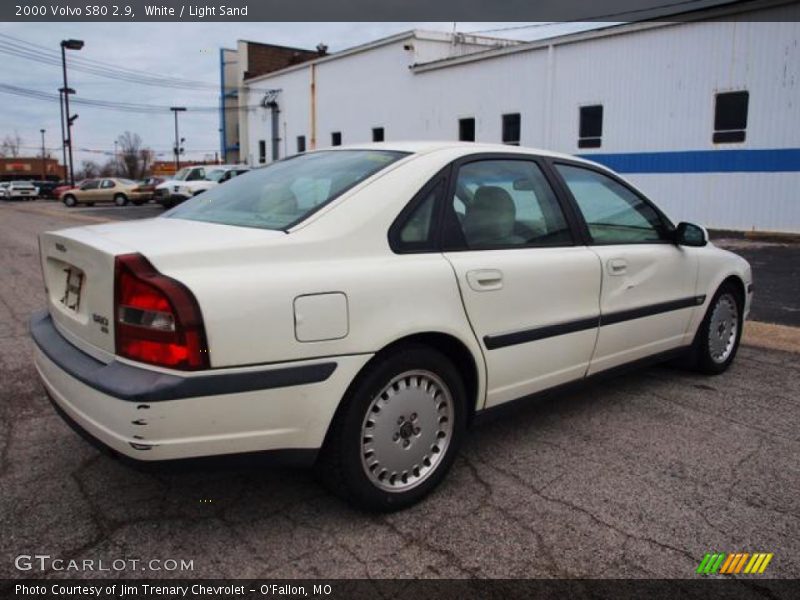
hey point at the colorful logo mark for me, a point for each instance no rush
(733, 564)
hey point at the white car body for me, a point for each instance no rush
(292, 318)
(214, 176)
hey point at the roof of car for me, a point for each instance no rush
(424, 147)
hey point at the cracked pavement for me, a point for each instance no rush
(638, 476)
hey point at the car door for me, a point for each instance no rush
(531, 293)
(648, 292)
(106, 191)
(89, 190)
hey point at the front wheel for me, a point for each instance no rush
(70, 200)
(120, 199)
(398, 431)
(718, 336)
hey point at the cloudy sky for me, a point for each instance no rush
(180, 50)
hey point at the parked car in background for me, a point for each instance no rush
(150, 184)
(46, 189)
(214, 177)
(64, 186)
(360, 307)
(4, 189)
(169, 193)
(108, 189)
(19, 190)
(165, 190)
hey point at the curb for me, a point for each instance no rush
(771, 336)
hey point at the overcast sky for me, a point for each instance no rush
(185, 50)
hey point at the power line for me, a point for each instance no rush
(112, 105)
(42, 54)
(596, 17)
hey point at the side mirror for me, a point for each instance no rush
(689, 234)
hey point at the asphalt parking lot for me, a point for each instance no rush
(638, 476)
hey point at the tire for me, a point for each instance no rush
(70, 200)
(120, 199)
(409, 401)
(718, 336)
(137, 202)
(90, 204)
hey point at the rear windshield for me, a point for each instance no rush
(286, 192)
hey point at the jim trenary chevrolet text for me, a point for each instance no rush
(357, 308)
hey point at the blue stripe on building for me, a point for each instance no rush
(702, 161)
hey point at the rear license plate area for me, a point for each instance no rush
(73, 286)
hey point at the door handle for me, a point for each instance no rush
(485, 280)
(617, 266)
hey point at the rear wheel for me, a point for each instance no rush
(397, 433)
(70, 200)
(718, 338)
(120, 199)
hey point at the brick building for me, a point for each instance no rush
(30, 168)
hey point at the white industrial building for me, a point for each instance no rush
(703, 115)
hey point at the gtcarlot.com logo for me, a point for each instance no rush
(734, 564)
(45, 562)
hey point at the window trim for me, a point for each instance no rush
(571, 222)
(586, 233)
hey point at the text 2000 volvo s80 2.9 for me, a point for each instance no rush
(358, 307)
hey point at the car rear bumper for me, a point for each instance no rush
(152, 415)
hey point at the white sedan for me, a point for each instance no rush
(358, 308)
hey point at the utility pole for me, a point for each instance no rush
(177, 148)
(69, 45)
(116, 159)
(44, 168)
(63, 138)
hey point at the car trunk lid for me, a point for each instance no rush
(78, 267)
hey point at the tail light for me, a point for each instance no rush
(157, 319)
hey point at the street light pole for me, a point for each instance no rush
(44, 168)
(63, 138)
(69, 45)
(177, 149)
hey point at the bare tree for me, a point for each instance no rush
(134, 159)
(11, 145)
(89, 169)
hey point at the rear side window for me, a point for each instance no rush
(416, 231)
(506, 204)
(285, 192)
(613, 213)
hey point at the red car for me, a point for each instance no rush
(63, 188)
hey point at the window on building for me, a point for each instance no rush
(301, 143)
(590, 127)
(336, 138)
(377, 134)
(466, 130)
(730, 117)
(511, 129)
(262, 151)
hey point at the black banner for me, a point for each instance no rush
(461, 589)
(367, 10)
